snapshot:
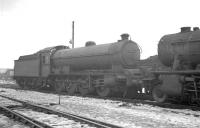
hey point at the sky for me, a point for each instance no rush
(27, 26)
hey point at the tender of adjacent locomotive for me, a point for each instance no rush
(106, 69)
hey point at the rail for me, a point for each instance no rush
(24, 119)
(91, 122)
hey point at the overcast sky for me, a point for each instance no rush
(27, 26)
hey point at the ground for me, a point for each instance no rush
(127, 115)
(5, 122)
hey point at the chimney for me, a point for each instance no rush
(185, 29)
(195, 28)
(124, 36)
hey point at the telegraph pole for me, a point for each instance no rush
(72, 34)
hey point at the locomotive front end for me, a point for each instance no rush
(181, 52)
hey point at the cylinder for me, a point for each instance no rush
(171, 85)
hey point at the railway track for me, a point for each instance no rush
(140, 100)
(168, 106)
(22, 118)
(153, 103)
(40, 108)
(137, 101)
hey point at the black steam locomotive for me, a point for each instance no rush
(116, 69)
(105, 69)
(181, 52)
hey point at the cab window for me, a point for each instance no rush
(45, 60)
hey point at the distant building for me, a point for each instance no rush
(6, 74)
(9, 72)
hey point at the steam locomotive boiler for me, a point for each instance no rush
(181, 52)
(105, 68)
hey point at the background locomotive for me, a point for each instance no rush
(106, 69)
(116, 68)
(181, 52)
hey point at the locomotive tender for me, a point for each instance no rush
(105, 69)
